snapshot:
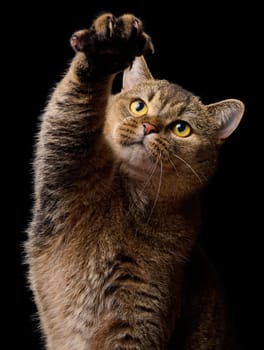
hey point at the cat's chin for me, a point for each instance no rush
(136, 162)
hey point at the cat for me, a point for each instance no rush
(112, 253)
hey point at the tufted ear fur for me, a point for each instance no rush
(228, 114)
(136, 74)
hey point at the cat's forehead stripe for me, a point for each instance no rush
(171, 96)
(151, 94)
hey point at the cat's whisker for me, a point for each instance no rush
(155, 165)
(190, 167)
(142, 190)
(158, 190)
(172, 164)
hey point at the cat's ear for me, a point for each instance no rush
(136, 74)
(228, 114)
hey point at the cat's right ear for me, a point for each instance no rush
(228, 114)
(137, 73)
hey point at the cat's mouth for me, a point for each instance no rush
(135, 155)
(132, 143)
(141, 157)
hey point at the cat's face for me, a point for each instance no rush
(158, 129)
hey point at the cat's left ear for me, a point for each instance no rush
(137, 73)
(228, 114)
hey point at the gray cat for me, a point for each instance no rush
(112, 253)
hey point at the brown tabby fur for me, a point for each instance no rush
(111, 248)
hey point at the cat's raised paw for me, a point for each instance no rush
(113, 42)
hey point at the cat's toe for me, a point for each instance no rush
(148, 45)
(80, 39)
(104, 25)
(129, 25)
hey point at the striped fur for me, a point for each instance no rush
(111, 245)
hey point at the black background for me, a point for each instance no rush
(212, 50)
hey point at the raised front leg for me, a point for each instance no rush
(73, 161)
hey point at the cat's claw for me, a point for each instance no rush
(112, 42)
(111, 24)
(136, 23)
(104, 25)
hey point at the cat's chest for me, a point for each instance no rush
(125, 226)
(129, 217)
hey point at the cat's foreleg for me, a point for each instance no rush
(71, 149)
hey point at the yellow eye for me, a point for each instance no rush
(138, 108)
(181, 129)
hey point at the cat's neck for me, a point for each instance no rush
(155, 189)
(165, 222)
(153, 198)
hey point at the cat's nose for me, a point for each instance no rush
(149, 128)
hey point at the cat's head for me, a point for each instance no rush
(160, 130)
